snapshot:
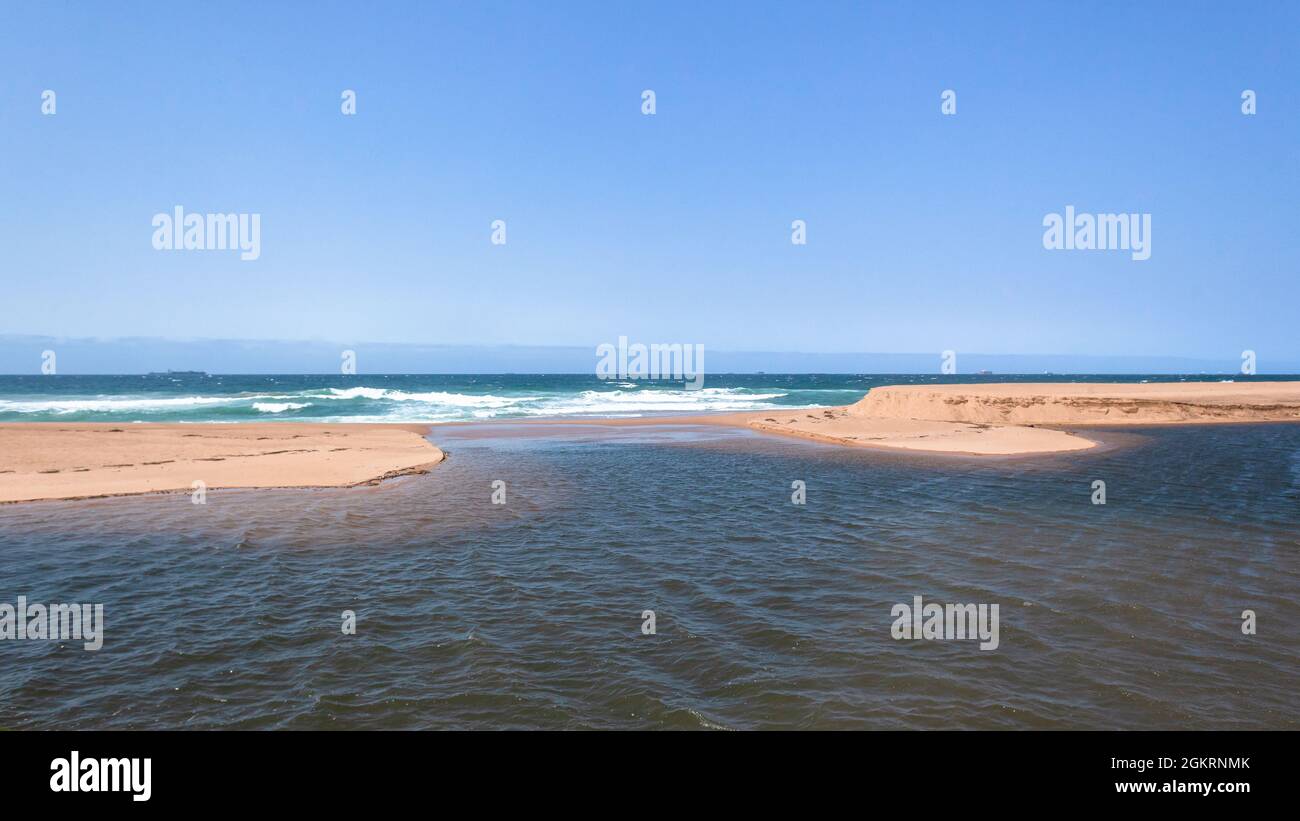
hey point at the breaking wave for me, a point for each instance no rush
(499, 398)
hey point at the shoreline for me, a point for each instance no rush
(994, 419)
(829, 425)
(45, 461)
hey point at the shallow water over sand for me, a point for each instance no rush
(769, 615)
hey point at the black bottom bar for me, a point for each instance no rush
(332, 770)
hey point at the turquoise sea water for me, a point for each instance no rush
(440, 398)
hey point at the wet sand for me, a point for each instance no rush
(837, 427)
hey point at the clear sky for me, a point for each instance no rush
(924, 230)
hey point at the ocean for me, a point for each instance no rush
(767, 614)
(450, 398)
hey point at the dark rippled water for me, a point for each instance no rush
(769, 615)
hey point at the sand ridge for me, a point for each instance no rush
(1086, 403)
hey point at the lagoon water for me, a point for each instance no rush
(768, 614)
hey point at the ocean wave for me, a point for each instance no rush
(432, 397)
(701, 395)
(366, 403)
(279, 407)
(609, 403)
(443, 407)
(119, 405)
(625, 403)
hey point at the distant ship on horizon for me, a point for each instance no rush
(177, 373)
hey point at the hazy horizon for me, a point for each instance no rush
(134, 355)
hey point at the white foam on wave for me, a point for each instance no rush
(279, 407)
(624, 403)
(120, 405)
(431, 397)
(618, 403)
(619, 400)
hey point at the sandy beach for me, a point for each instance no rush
(1007, 419)
(1087, 403)
(47, 460)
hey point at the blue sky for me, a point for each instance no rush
(924, 230)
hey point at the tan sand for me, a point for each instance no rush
(1066, 403)
(840, 426)
(999, 419)
(50, 460)
(996, 419)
